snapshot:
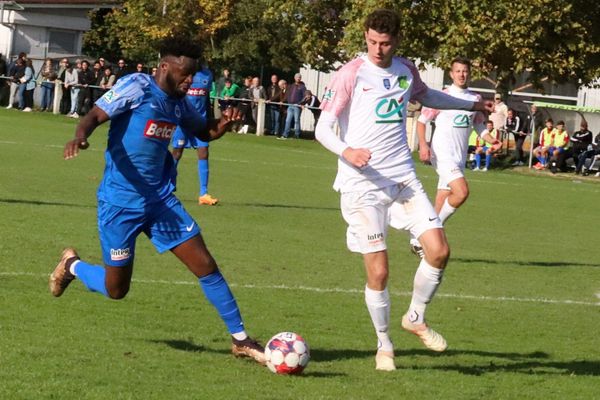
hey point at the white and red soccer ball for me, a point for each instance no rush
(287, 353)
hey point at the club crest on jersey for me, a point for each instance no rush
(110, 96)
(386, 83)
(389, 111)
(177, 111)
(461, 121)
(159, 130)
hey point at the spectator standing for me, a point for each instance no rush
(582, 139)
(108, 79)
(71, 84)
(311, 101)
(4, 83)
(47, 78)
(16, 70)
(97, 92)
(65, 100)
(28, 83)
(257, 92)
(282, 106)
(513, 125)
(498, 116)
(230, 91)
(121, 69)
(86, 78)
(220, 84)
(245, 105)
(274, 96)
(295, 94)
(3, 66)
(139, 68)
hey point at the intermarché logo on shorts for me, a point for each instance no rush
(119, 254)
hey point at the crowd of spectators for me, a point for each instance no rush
(83, 82)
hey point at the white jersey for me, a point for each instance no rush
(449, 144)
(370, 104)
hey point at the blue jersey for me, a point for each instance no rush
(199, 96)
(139, 167)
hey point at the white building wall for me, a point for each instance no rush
(589, 97)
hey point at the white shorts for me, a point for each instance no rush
(368, 214)
(448, 171)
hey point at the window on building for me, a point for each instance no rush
(63, 42)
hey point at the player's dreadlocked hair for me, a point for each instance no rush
(180, 45)
(383, 21)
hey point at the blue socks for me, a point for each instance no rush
(203, 176)
(92, 276)
(217, 292)
(488, 159)
(478, 160)
(542, 160)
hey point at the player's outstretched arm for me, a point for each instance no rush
(442, 101)
(84, 129)
(218, 128)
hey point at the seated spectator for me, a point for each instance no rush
(560, 142)
(581, 141)
(592, 151)
(546, 138)
(311, 101)
(490, 145)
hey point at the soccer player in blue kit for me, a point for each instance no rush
(198, 96)
(136, 192)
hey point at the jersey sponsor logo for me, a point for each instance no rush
(329, 95)
(159, 130)
(197, 92)
(120, 254)
(375, 238)
(403, 82)
(461, 121)
(389, 111)
(386, 83)
(110, 96)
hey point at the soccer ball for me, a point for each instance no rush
(287, 353)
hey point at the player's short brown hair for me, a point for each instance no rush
(383, 21)
(461, 60)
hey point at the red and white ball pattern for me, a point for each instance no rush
(287, 353)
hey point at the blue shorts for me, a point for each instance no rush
(166, 224)
(552, 149)
(181, 140)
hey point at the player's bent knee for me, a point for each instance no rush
(438, 256)
(118, 292)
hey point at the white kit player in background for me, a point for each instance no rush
(368, 98)
(448, 151)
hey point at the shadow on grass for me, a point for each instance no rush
(525, 263)
(185, 345)
(44, 203)
(267, 205)
(581, 368)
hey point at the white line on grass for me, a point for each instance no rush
(341, 290)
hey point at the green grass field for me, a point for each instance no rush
(519, 304)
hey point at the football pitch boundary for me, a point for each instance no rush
(345, 291)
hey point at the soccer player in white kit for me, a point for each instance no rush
(448, 151)
(368, 98)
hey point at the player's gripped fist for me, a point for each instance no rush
(357, 157)
(72, 147)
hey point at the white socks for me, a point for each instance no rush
(240, 335)
(446, 211)
(427, 280)
(378, 304)
(72, 267)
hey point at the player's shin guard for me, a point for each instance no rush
(446, 211)
(92, 276)
(427, 280)
(378, 304)
(218, 293)
(203, 176)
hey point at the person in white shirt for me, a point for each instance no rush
(449, 144)
(368, 98)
